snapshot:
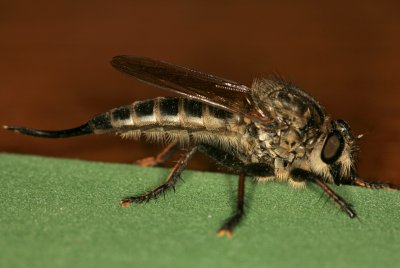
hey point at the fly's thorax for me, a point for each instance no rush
(269, 139)
(284, 141)
(286, 103)
(296, 119)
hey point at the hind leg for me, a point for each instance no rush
(172, 179)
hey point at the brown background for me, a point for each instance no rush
(55, 72)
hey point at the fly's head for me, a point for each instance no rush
(334, 154)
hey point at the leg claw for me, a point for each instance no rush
(223, 231)
(125, 203)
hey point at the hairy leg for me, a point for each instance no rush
(173, 177)
(374, 185)
(300, 174)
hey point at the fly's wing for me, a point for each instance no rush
(209, 89)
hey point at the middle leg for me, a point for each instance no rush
(234, 220)
(234, 164)
(161, 158)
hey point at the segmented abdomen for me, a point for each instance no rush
(170, 118)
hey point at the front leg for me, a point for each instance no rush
(373, 185)
(300, 174)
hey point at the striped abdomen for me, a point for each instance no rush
(170, 119)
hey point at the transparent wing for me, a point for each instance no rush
(209, 89)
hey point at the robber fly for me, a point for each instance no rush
(270, 130)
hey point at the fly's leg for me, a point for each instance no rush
(234, 164)
(300, 174)
(173, 177)
(346, 207)
(161, 158)
(374, 185)
(234, 220)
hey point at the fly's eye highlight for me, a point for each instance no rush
(333, 148)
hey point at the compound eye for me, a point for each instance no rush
(333, 148)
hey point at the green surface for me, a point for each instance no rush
(66, 213)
